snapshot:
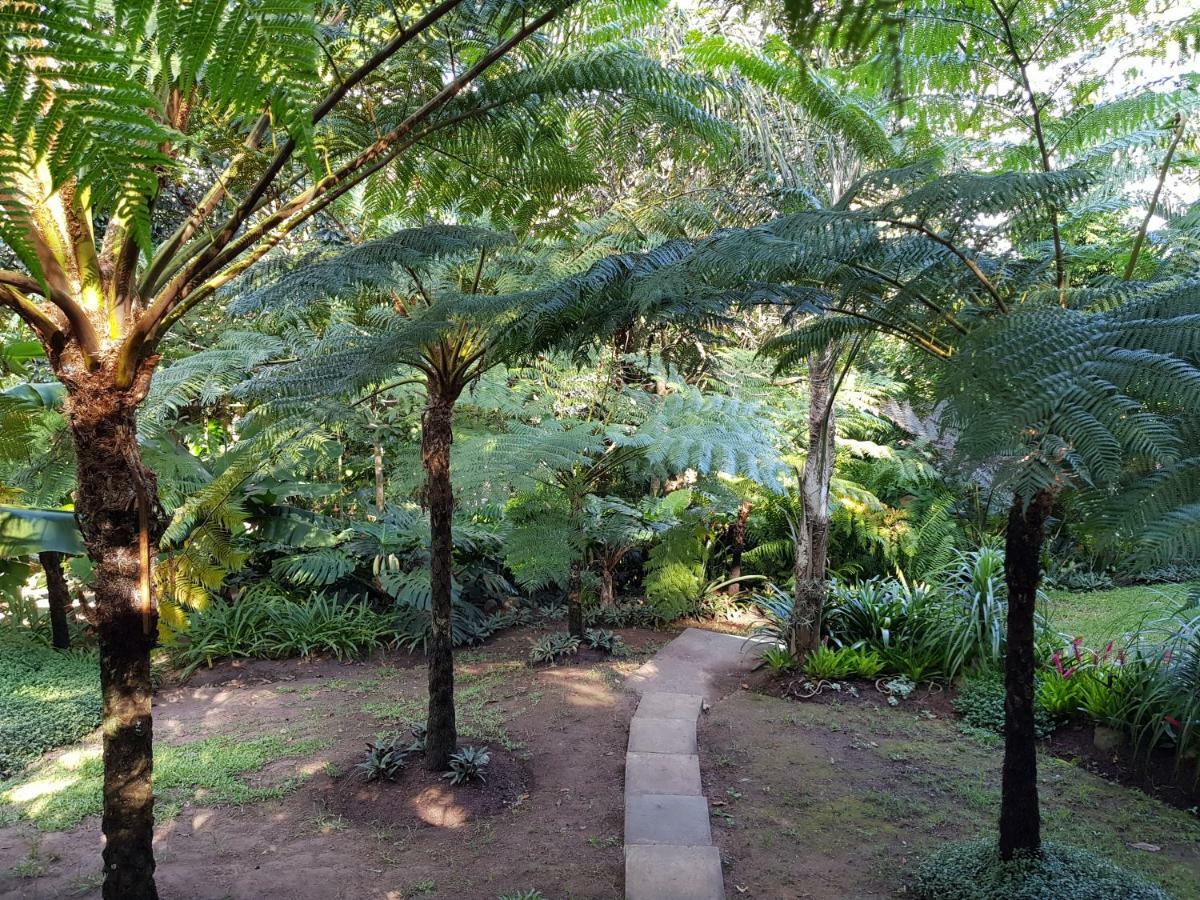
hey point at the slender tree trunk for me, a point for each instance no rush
(812, 531)
(575, 578)
(737, 534)
(59, 597)
(116, 505)
(608, 590)
(379, 483)
(1020, 819)
(441, 739)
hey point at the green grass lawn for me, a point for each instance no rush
(1102, 616)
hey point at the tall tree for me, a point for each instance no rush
(437, 314)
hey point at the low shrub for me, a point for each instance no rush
(779, 659)
(980, 702)
(828, 664)
(974, 871)
(553, 647)
(47, 698)
(468, 764)
(630, 614)
(603, 640)
(261, 624)
(387, 757)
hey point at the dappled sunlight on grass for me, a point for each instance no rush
(62, 790)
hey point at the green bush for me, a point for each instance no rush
(980, 702)
(830, 664)
(265, 625)
(47, 698)
(974, 871)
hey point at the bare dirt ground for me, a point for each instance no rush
(838, 798)
(549, 818)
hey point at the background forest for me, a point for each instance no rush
(348, 330)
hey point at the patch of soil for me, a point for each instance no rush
(1159, 776)
(550, 816)
(930, 699)
(423, 798)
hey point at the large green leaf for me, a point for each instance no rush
(27, 532)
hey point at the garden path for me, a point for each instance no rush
(669, 854)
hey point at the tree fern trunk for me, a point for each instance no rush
(59, 598)
(1020, 818)
(812, 538)
(436, 436)
(117, 509)
(737, 535)
(575, 576)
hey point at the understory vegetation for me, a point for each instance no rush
(347, 335)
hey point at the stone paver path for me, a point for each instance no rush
(669, 854)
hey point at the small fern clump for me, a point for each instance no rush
(553, 647)
(603, 640)
(779, 659)
(388, 755)
(468, 764)
(386, 759)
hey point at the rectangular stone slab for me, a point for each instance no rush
(658, 872)
(662, 773)
(667, 819)
(665, 705)
(649, 735)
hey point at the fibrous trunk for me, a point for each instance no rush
(737, 535)
(812, 529)
(59, 599)
(1020, 819)
(436, 435)
(575, 579)
(117, 509)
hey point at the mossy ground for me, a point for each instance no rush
(843, 799)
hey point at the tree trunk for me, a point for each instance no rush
(811, 589)
(379, 483)
(116, 505)
(812, 531)
(608, 590)
(737, 534)
(1020, 820)
(441, 738)
(59, 597)
(575, 577)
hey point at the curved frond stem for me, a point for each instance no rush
(1060, 271)
(925, 343)
(30, 313)
(946, 316)
(302, 207)
(1138, 241)
(387, 387)
(972, 266)
(151, 279)
(252, 198)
